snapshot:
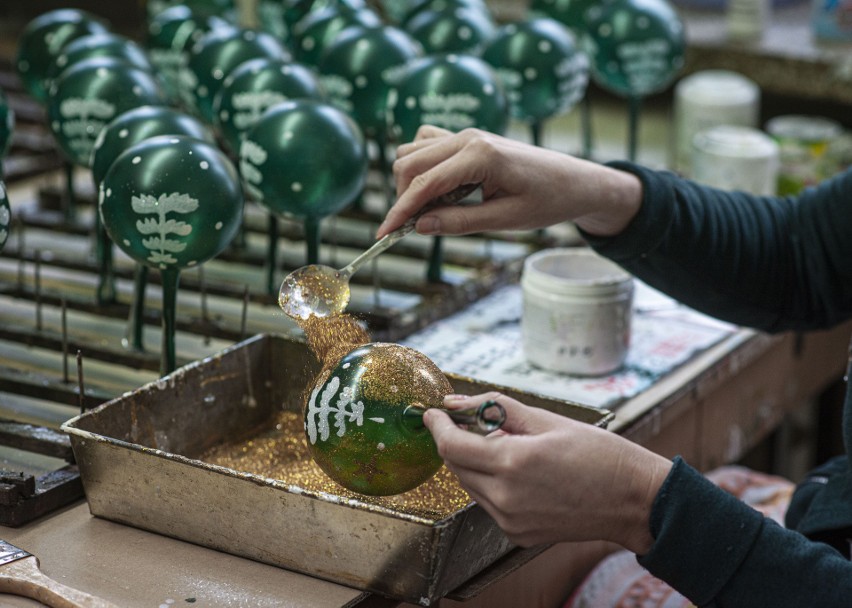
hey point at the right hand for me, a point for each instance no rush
(523, 186)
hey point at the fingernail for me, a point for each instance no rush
(429, 225)
(455, 398)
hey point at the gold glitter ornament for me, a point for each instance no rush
(363, 419)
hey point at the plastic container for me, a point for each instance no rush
(576, 312)
(805, 146)
(736, 158)
(707, 99)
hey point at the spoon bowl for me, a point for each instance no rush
(315, 289)
(322, 291)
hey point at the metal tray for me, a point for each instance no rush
(138, 457)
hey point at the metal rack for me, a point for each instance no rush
(49, 313)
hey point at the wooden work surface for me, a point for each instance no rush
(710, 411)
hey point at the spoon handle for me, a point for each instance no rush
(450, 198)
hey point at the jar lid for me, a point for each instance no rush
(575, 270)
(732, 141)
(717, 87)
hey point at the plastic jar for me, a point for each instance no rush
(708, 99)
(805, 145)
(576, 311)
(736, 158)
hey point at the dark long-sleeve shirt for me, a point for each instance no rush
(774, 264)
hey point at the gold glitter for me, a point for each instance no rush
(281, 453)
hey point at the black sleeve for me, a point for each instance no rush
(773, 263)
(718, 551)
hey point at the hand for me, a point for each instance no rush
(545, 478)
(523, 186)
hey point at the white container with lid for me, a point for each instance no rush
(710, 98)
(736, 158)
(576, 311)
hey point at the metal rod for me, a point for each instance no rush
(80, 386)
(65, 378)
(38, 289)
(205, 313)
(244, 314)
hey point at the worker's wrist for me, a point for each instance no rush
(617, 197)
(647, 475)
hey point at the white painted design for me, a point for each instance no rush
(82, 120)
(252, 156)
(248, 106)
(160, 246)
(320, 408)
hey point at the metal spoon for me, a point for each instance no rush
(322, 291)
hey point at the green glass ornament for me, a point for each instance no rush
(5, 215)
(104, 44)
(89, 94)
(453, 30)
(253, 87)
(355, 420)
(171, 202)
(218, 52)
(357, 69)
(131, 127)
(42, 41)
(123, 132)
(304, 158)
(636, 47)
(541, 67)
(170, 36)
(450, 91)
(313, 34)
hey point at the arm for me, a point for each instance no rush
(768, 262)
(545, 478)
(718, 551)
(523, 187)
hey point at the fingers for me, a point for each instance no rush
(434, 164)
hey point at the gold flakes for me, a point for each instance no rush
(281, 453)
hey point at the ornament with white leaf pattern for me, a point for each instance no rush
(358, 423)
(171, 202)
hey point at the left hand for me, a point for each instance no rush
(545, 478)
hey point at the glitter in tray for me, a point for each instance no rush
(281, 453)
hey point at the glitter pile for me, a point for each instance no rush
(281, 452)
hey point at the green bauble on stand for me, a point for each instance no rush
(171, 202)
(356, 71)
(42, 41)
(636, 48)
(541, 68)
(304, 158)
(123, 132)
(248, 91)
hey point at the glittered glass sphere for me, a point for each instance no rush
(363, 419)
